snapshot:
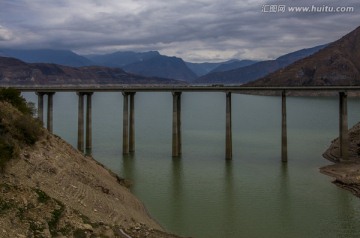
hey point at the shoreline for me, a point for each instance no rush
(345, 173)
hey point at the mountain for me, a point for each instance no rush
(121, 58)
(162, 66)
(62, 57)
(257, 70)
(336, 64)
(201, 69)
(14, 71)
(233, 64)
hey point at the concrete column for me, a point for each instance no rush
(228, 147)
(126, 124)
(179, 123)
(50, 112)
(132, 123)
(88, 124)
(343, 127)
(284, 154)
(40, 106)
(81, 122)
(176, 125)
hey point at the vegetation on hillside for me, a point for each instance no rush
(18, 128)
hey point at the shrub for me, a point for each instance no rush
(14, 97)
(18, 128)
(7, 152)
(29, 130)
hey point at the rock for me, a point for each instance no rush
(108, 233)
(88, 227)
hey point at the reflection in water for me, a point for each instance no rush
(177, 192)
(128, 166)
(229, 200)
(284, 196)
(347, 216)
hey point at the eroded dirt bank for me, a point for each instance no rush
(346, 174)
(52, 190)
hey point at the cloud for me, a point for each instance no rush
(5, 34)
(197, 30)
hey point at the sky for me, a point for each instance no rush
(195, 30)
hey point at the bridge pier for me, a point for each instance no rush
(128, 123)
(40, 106)
(228, 146)
(88, 143)
(80, 141)
(50, 112)
(343, 126)
(49, 119)
(176, 127)
(284, 153)
(132, 124)
(88, 132)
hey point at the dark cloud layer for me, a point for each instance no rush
(196, 30)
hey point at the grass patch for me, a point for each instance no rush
(42, 196)
(55, 218)
(5, 206)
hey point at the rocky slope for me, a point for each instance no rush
(52, 190)
(336, 64)
(346, 174)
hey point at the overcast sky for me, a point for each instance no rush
(196, 30)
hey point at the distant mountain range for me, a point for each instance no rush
(62, 57)
(154, 65)
(336, 64)
(14, 71)
(251, 70)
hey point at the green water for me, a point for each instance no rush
(200, 194)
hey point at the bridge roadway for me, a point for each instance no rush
(172, 88)
(129, 91)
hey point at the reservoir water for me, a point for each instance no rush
(202, 195)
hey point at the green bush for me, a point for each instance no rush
(7, 152)
(29, 129)
(14, 97)
(18, 128)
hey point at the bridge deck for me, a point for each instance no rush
(172, 88)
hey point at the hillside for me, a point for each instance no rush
(233, 64)
(49, 189)
(336, 64)
(256, 70)
(13, 71)
(201, 69)
(162, 66)
(61, 57)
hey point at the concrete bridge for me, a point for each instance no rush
(129, 91)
